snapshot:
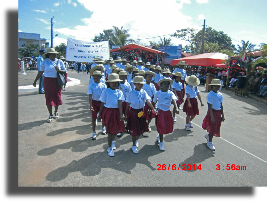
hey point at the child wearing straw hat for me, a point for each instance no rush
(191, 105)
(181, 69)
(157, 77)
(125, 87)
(164, 120)
(150, 89)
(95, 90)
(111, 110)
(140, 66)
(136, 122)
(99, 67)
(215, 114)
(134, 73)
(177, 86)
(129, 70)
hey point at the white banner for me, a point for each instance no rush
(82, 51)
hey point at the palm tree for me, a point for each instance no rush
(120, 36)
(245, 47)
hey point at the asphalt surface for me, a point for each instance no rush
(61, 153)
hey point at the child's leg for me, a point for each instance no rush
(161, 137)
(134, 139)
(192, 117)
(173, 113)
(110, 139)
(187, 119)
(93, 124)
(210, 138)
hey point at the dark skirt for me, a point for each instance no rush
(52, 92)
(148, 115)
(180, 98)
(157, 86)
(96, 105)
(213, 128)
(193, 110)
(111, 119)
(136, 125)
(164, 122)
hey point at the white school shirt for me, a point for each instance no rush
(192, 91)
(140, 67)
(164, 99)
(96, 89)
(178, 86)
(110, 97)
(125, 88)
(137, 99)
(129, 78)
(150, 89)
(118, 65)
(123, 67)
(102, 80)
(182, 71)
(215, 99)
(48, 67)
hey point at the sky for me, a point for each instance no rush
(147, 20)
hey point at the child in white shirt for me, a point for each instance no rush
(94, 91)
(191, 105)
(215, 115)
(136, 122)
(111, 110)
(164, 120)
(177, 87)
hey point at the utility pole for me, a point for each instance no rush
(52, 32)
(202, 48)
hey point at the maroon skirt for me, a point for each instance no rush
(136, 125)
(148, 115)
(66, 76)
(157, 86)
(180, 98)
(52, 92)
(213, 128)
(193, 110)
(183, 90)
(124, 104)
(96, 105)
(111, 119)
(164, 122)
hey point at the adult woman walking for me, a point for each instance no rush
(50, 67)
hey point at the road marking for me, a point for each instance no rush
(232, 144)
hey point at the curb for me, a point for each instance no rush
(31, 88)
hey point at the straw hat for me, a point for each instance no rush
(140, 61)
(134, 61)
(96, 59)
(166, 71)
(99, 61)
(150, 73)
(97, 72)
(110, 59)
(182, 63)
(141, 72)
(152, 66)
(51, 51)
(216, 82)
(158, 68)
(123, 73)
(97, 67)
(165, 79)
(117, 70)
(123, 60)
(178, 74)
(192, 80)
(118, 59)
(113, 77)
(128, 67)
(148, 64)
(135, 69)
(111, 62)
(113, 67)
(139, 79)
(62, 58)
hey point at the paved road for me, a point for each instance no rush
(61, 153)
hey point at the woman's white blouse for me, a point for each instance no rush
(48, 67)
(137, 99)
(110, 97)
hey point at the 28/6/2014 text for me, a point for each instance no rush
(173, 167)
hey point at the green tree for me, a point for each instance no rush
(29, 50)
(162, 42)
(245, 47)
(61, 49)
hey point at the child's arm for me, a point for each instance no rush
(188, 100)
(211, 113)
(126, 111)
(174, 91)
(120, 108)
(90, 102)
(199, 97)
(151, 106)
(100, 111)
(175, 106)
(223, 119)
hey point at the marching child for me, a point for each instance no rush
(95, 90)
(129, 70)
(111, 110)
(150, 89)
(191, 105)
(157, 77)
(134, 73)
(177, 86)
(215, 115)
(125, 87)
(164, 121)
(136, 122)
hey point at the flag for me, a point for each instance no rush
(244, 57)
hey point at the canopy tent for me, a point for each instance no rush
(206, 59)
(222, 65)
(136, 46)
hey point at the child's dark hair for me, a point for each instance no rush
(165, 81)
